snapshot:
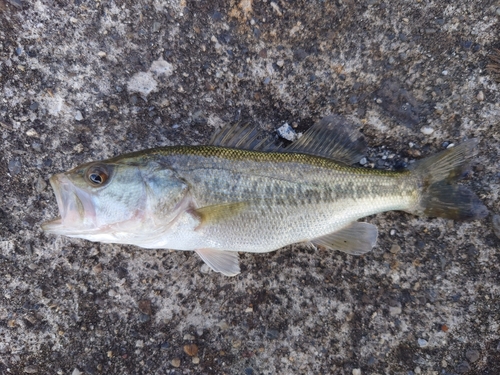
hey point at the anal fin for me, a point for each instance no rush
(225, 262)
(355, 239)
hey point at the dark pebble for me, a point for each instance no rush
(403, 37)
(145, 306)
(216, 16)
(299, 54)
(144, 318)
(463, 367)
(472, 355)
(34, 106)
(420, 244)
(353, 99)
(15, 166)
(272, 334)
(342, 77)
(466, 44)
(249, 371)
(19, 51)
(391, 36)
(496, 225)
(165, 345)
(256, 32)
(121, 272)
(440, 21)
(371, 361)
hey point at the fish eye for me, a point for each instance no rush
(97, 175)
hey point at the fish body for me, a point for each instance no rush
(242, 194)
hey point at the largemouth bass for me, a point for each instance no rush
(241, 193)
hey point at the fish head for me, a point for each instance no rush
(114, 200)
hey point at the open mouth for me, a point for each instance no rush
(74, 205)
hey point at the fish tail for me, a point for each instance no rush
(440, 196)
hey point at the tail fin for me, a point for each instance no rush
(440, 195)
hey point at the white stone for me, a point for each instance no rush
(143, 83)
(427, 130)
(287, 132)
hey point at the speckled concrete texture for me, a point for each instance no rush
(83, 80)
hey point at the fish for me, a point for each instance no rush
(242, 192)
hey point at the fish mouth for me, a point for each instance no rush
(77, 213)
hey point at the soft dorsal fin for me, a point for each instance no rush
(332, 137)
(245, 136)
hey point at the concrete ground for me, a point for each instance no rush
(83, 80)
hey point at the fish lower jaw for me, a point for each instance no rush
(52, 226)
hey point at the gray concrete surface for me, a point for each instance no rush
(83, 80)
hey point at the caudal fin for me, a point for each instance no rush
(440, 195)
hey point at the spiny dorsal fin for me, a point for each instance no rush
(355, 239)
(245, 136)
(332, 137)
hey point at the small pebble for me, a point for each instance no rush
(32, 133)
(287, 132)
(78, 116)
(30, 370)
(145, 306)
(423, 343)
(395, 249)
(191, 350)
(463, 367)
(363, 161)
(427, 130)
(444, 72)
(188, 336)
(280, 63)
(496, 225)
(392, 232)
(417, 370)
(101, 54)
(480, 96)
(176, 362)
(76, 372)
(356, 371)
(40, 185)
(14, 166)
(195, 360)
(143, 318)
(34, 106)
(395, 310)
(165, 345)
(472, 355)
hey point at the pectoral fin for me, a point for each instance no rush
(225, 262)
(355, 239)
(219, 212)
